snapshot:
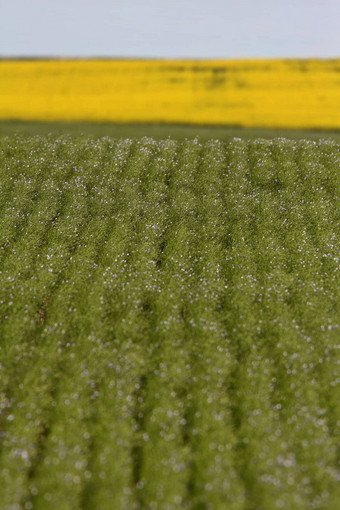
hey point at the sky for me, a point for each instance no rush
(170, 28)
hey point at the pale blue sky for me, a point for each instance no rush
(170, 28)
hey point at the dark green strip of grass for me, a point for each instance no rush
(157, 131)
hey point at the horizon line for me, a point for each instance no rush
(154, 58)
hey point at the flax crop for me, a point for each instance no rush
(169, 324)
(262, 93)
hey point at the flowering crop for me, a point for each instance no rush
(169, 324)
(275, 93)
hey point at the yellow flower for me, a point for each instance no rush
(263, 93)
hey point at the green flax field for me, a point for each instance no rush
(169, 321)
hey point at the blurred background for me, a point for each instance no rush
(170, 67)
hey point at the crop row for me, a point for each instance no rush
(169, 324)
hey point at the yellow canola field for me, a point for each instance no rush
(263, 93)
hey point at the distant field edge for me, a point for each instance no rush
(75, 58)
(158, 130)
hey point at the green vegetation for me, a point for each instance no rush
(169, 321)
(157, 131)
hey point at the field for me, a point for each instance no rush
(169, 324)
(289, 94)
(158, 131)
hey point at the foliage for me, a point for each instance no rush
(169, 324)
(157, 131)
